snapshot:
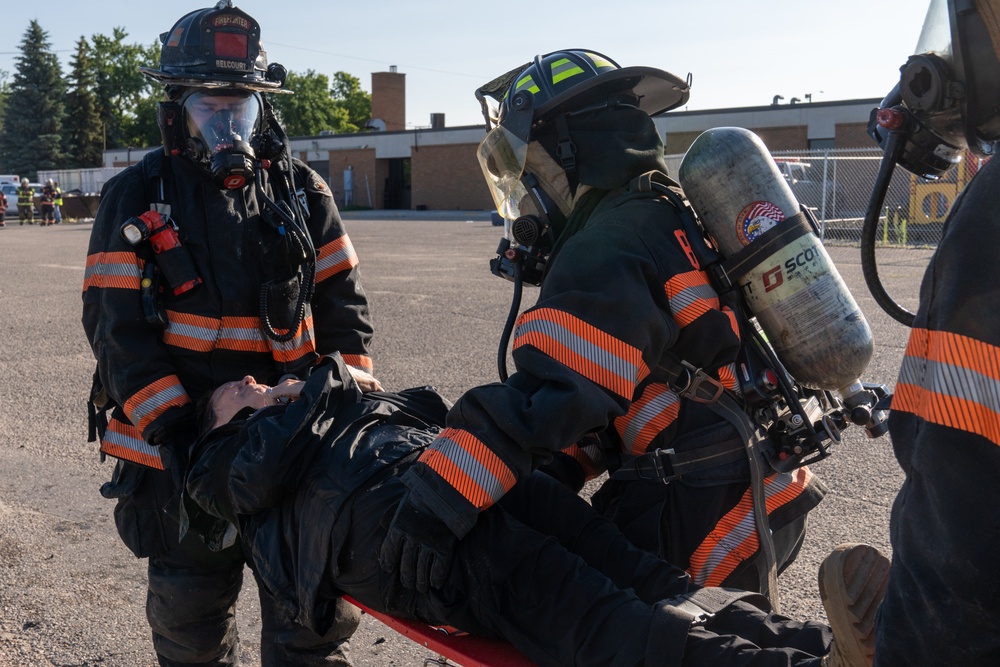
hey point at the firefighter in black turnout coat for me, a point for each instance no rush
(940, 606)
(215, 256)
(622, 296)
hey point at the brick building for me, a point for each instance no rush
(435, 168)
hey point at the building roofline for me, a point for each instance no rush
(774, 107)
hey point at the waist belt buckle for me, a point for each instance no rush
(662, 466)
(697, 614)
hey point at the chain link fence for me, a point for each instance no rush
(836, 185)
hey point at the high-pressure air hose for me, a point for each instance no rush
(508, 327)
(869, 233)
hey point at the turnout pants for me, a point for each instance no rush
(547, 573)
(940, 607)
(192, 591)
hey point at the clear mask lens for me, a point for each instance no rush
(501, 157)
(221, 117)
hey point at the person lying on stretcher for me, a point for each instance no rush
(313, 487)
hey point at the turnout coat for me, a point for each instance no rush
(299, 465)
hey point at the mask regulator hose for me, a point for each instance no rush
(508, 327)
(869, 232)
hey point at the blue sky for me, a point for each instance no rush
(740, 53)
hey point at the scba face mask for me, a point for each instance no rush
(947, 100)
(220, 125)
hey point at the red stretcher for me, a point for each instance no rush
(452, 646)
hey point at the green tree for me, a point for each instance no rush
(348, 95)
(120, 87)
(32, 131)
(311, 109)
(4, 92)
(84, 136)
(141, 130)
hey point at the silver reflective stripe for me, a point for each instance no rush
(468, 463)
(581, 346)
(739, 533)
(127, 442)
(649, 412)
(155, 402)
(951, 380)
(330, 261)
(691, 295)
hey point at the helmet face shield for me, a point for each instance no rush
(502, 156)
(218, 119)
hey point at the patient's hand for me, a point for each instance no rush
(366, 381)
(286, 391)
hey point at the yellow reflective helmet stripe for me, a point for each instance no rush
(563, 69)
(600, 62)
(527, 82)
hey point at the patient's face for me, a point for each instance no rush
(231, 397)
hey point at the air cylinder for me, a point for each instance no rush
(791, 285)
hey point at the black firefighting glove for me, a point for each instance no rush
(418, 545)
(567, 470)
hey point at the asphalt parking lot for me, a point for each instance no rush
(71, 594)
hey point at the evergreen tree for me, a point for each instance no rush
(83, 128)
(31, 138)
(4, 92)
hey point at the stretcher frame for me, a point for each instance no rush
(453, 646)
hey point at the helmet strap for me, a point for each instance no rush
(565, 148)
(553, 217)
(170, 120)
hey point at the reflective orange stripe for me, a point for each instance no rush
(150, 402)
(336, 256)
(691, 295)
(647, 417)
(951, 380)
(191, 332)
(733, 322)
(594, 354)
(116, 270)
(469, 466)
(734, 538)
(302, 344)
(362, 361)
(124, 441)
(241, 334)
(727, 376)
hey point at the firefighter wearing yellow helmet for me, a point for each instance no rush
(570, 142)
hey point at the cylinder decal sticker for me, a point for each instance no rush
(755, 219)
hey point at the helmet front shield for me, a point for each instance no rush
(502, 157)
